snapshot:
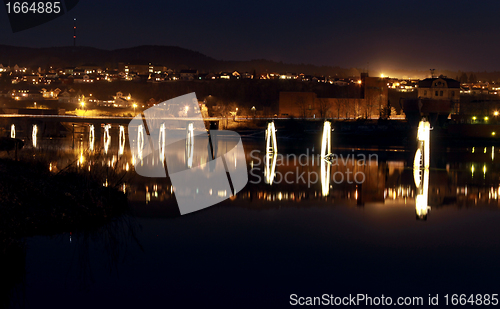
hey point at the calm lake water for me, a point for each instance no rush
(276, 238)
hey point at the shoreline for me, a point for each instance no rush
(34, 201)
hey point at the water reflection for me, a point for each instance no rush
(107, 137)
(326, 149)
(271, 153)
(140, 141)
(421, 170)
(391, 177)
(395, 182)
(190, 145)
(34, 135)
(91, 137)
(121, 147)
(161, 142)
(13, 131)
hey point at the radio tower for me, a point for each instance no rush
(74, 32)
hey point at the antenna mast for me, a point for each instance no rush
(74, 32)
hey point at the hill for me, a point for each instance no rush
(170, 56)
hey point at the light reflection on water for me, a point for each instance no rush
(275, 238)
(467, 179)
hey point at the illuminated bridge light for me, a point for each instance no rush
(190, 145)
(326, 148)
(161, 142)
(140, 141)
(271, 153)
(271, 144)
(121, 145)
(107, 138)
(34, 134)
(421, 170)
(91, 137)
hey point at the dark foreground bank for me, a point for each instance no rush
(34, 200)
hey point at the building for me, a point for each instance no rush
(437, 98)
(375, 91)
(369, 101)
(188, 74)
(440, 88)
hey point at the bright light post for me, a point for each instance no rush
(134, 106)
(82, 103)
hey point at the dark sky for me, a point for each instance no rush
(383, 35)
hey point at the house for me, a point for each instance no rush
(52, 94)
(224, 75)
(83, 79)
(235, 75)
(68, 96)
(28, 93)
(440, 88)
(188, 74)
(117, 101)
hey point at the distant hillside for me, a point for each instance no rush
(170, 56)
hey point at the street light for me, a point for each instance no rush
(134, 106)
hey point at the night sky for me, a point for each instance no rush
(454, 35)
